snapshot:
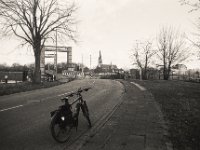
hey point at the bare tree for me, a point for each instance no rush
(171, 49)
(35, 21)
(195, 6)
(142, 54)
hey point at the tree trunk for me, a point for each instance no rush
(167, 76)
(144, 74)
(37, 71)
(145, 69)
(165, 73)
(168, 71)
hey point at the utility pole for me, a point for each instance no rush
(140, 71)
(90, 61)
(56, 55)
(82, 63)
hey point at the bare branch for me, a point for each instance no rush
(171, 46)
(34, 21)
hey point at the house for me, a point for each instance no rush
(72, 74)
(180, 67)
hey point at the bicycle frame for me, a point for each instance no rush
(64, 119)
(80, 105)
(66, 109)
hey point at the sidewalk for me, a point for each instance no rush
(137, 124)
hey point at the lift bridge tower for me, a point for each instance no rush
(52, 52)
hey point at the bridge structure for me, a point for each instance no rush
(49, 51)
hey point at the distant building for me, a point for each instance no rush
(72, 66)
(73, 70)
(72, 74)
(179, 69)
(106, 69)
(109, 68)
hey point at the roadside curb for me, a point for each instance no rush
(82, 140)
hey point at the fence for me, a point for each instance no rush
(16, 76)
(153, 74)
(193, 76)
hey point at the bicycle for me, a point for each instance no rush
(63, 119)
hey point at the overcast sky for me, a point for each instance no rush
(113, 26)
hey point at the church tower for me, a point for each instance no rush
(100, 59)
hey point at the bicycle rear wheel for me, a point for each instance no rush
(60, 131)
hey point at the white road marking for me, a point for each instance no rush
(139, 86)
(65, 93)
(61, 94)
(11, 108)
(32, 101)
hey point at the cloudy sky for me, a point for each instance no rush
(113, 26)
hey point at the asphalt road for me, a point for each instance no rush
(25, 117)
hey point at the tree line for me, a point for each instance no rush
(36, 22)
(169, 48)
(15, 67)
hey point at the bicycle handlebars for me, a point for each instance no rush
(81, 90)
(75, 93)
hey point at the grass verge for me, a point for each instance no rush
(180, 104)
(6, 89)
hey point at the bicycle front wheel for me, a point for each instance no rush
(86, 113)
(60, 131)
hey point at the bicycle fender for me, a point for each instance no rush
(53, 112)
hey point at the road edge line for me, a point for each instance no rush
(2, 110)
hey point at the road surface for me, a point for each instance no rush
(25, 117)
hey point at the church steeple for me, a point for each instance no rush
(100, 59)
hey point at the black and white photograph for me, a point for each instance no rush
(100, 74)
